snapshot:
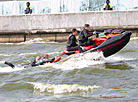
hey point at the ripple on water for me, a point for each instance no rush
(89, 77)
(63, 89)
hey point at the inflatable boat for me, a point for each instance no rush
(109, 42)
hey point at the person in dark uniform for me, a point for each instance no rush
(84, 35)
(107, 5)
(71, 42)
(28, 9)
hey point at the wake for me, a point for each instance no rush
(9, 69)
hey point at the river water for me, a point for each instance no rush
(78, 79)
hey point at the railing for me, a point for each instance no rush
(57, 6)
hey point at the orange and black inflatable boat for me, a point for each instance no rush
(109, 42)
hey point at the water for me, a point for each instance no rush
(78, 79)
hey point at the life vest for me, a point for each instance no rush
(29, 7)
(107, 6)
(57, 59)
(81, 36)
(68, 41)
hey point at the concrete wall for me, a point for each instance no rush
(61, 23)
(68, 20)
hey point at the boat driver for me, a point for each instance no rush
(84, 35)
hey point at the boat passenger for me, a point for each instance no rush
(71, 42)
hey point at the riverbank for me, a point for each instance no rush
(57, 35)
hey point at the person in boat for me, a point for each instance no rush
(84, 35)
(71, 42)
(107, 5)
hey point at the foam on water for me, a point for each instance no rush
(63, 88)
(37, 40)
(79, 61)
(34, 41)
(9, 69)
(47, 65)
(134, 38)
(115, 59)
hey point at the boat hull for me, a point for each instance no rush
(113, 45)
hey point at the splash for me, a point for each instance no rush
(62, 89)
(34, 41)
(79, 61)
(47, 65)
(9, 69)
(116, 58)
(134, 38)
(37, 40)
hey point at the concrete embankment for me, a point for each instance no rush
(56, 27)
